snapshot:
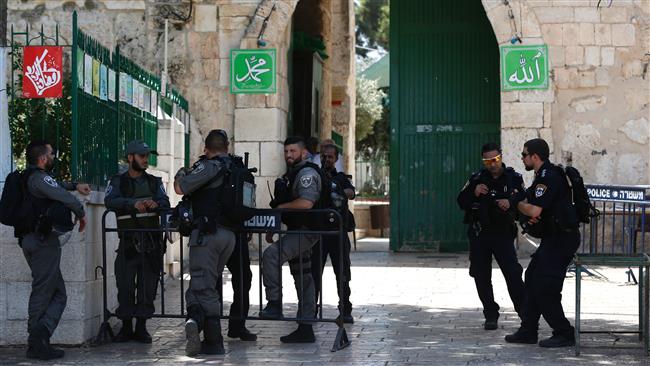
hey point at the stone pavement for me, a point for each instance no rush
(410, 309)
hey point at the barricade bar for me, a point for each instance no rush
(244, 233)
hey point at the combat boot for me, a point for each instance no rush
(304, 334)
(126, 333)
(522, 336)
(491, 324)
(213, 340)
(38, 345)
(141, 335)
(241, 333)
(558, 340)
(273, 310)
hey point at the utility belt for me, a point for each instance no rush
(143, 241)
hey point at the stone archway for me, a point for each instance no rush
(524, 114)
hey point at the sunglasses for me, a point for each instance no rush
(494, 160)
(524, 154)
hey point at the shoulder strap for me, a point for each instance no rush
(221, 173)
(151, 180)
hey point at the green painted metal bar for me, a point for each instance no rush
(641, 320)
(642, 261)
(577, 321)
(74, 158)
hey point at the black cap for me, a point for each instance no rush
(137, 147)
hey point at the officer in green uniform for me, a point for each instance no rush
(136, 196)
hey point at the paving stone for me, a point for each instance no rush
(409, 308)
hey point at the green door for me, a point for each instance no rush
(445, 104)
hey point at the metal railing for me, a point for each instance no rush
(124, 109)
(623, 223)
(268, 220)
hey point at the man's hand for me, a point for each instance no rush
(141, 206)
(269, 237)
(481, 189)
(151, 205)
(503, 204)
(533, 220)
(83, 188)
(82, 223)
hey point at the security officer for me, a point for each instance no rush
(547, 204)
(342, 191)
(489, 199)
(239, 265)
(211, 244)
(42, 250)
(301, 189)
(135, 196)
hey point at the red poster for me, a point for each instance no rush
(42, 72)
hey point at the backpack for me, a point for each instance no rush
(17, 208)
(585, 210)
(237, 192)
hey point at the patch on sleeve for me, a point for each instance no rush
(109, 189)
(198, 168)
(540, 189)
(50, 181)
(306, 181)
(162, 188)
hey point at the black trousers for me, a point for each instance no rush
(499, 244)
(239, 265)
(331, 247)
(137, 276)
(544, 281)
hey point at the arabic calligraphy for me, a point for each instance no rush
(253, 65)
(43, 74)
(528, 75)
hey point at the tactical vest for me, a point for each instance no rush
(312, 221)
(129, 189)
(205, 201)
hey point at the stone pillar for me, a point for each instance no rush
(5, 135)
(81, 255)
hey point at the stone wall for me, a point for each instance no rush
(80, 257)
(199, 64)
(595, 114)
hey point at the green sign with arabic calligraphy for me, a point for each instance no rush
(252, 71)
(524, 67)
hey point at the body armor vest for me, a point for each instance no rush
(131, 189)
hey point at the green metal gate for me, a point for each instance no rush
(445, 103)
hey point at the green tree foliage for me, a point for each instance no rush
(372, 18)
(369, 106)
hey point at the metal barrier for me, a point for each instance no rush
(265, 221)
(616, 238)
(623, 222)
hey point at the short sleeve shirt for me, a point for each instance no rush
(548, 187)
(201, 173)
(307, 185)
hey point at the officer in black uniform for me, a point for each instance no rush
(136, 196)
(342, 191)
(299, 189)
(548, 203)
(489, 199)
(42, 249)
(211, 244)
(239, 265)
